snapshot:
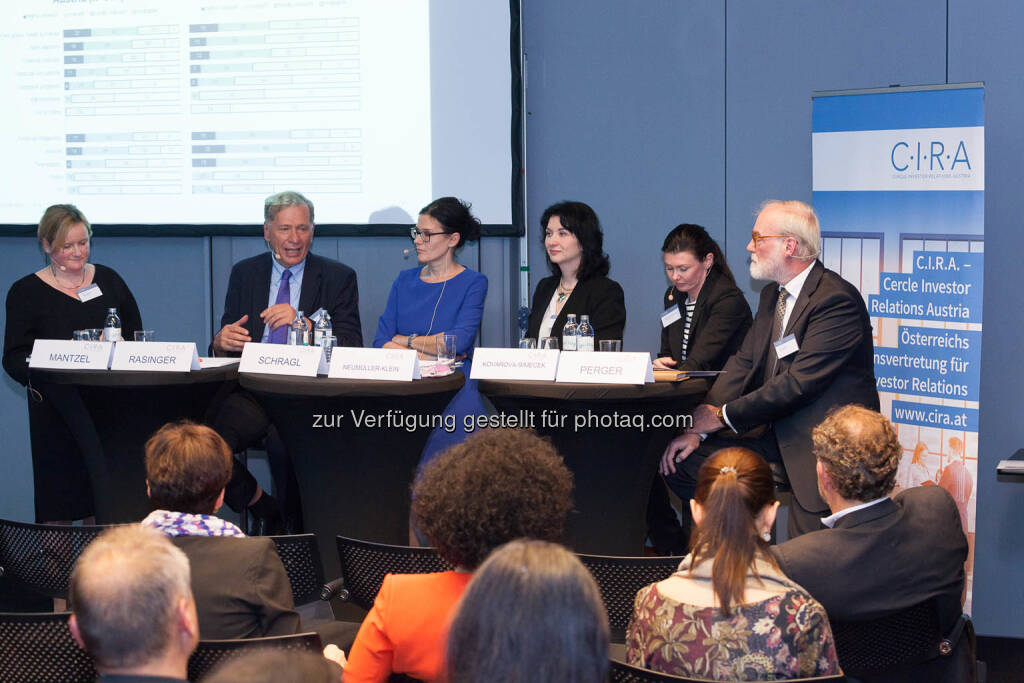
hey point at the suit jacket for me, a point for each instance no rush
(326, 284)
(721, 316)
(599, 297)
(833, 366)
(240, 586)
(884, 558)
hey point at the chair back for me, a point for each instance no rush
(211, 653)
(364, 565)
(619, 579)
(621, 672)
(40, 557)
(39, 647)
(874, 646)
(301, 559)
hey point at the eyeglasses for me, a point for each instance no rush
(756, 239)
(416, 232)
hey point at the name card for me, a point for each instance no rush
(396, 365)
(536, 364)
(155, 356)
(628, 367)
(64, 354)
(283, 359)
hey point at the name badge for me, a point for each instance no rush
(64, 354)
(283, 359)
(534, 364)
(627, 367)
(89, 293)
(395, 365)
(786, 346)
(671, 314)
(155, 356)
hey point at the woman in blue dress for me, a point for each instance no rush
(439, 297)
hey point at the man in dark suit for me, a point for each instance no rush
(133, 609)
(265, 292)
(809, 350)
(878, 555)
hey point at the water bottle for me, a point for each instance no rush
(569, 333)
(585, 335)
(323, 329)
(298, 333)
(112, 326)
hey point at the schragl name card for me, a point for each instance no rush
(283, 359)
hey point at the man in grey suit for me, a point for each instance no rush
(877, 555)
(808, 351)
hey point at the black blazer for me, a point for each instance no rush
(325, 284)
(884, 558)
(721, 317)
(833, 366)
(599, 297)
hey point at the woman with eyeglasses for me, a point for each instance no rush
(439, 297)
(65, 295)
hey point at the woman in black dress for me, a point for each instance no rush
(67, 294)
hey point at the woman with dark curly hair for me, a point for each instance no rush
(498, 485)
(579, 283)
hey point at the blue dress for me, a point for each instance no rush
(426, 308)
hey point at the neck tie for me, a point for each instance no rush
(284, 296)
(780, 315)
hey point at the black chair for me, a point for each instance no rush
(40, 557)
(364, 564)
(210, 653)
(39, 647)
(619, 579)
(621, 672)
(301, 558)
(906, 645)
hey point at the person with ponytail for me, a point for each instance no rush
(705, 314)
(729, 613)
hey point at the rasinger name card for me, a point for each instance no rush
(535, 364)
(627, 367)
(64, 354)
(396, 365)
(283, 359)
(155, 356)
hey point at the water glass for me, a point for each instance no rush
(549, 343)
(527, 343)
(81, 335)
(446, 348)
(145, 335)
(95, 333)
(610, 345)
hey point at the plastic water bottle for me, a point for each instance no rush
(585, 335)
(323, 329)
(569, 333)
(112, 326)
(298, 333)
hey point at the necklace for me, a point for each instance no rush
(85, 273)
(563, 293)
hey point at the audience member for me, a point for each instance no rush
(531, 613)
(276, 666)
(879, 555)
(496, 486)
(240, 585)
(728, 613)
(132, 607)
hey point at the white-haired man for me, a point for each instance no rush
(132, 606)
(809, 350)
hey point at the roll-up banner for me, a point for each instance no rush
(899, 181)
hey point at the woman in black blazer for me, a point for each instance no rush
(579, 284)
(701, 282)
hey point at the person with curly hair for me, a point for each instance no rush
(878, 554)
(497, 486)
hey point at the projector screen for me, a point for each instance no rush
(183, 112)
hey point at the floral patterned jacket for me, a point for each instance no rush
(785, 636)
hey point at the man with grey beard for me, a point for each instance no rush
(809, 350)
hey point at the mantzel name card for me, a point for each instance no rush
(64, 354)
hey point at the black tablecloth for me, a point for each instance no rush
(354, 477)
(610, 439)
(112, 413)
